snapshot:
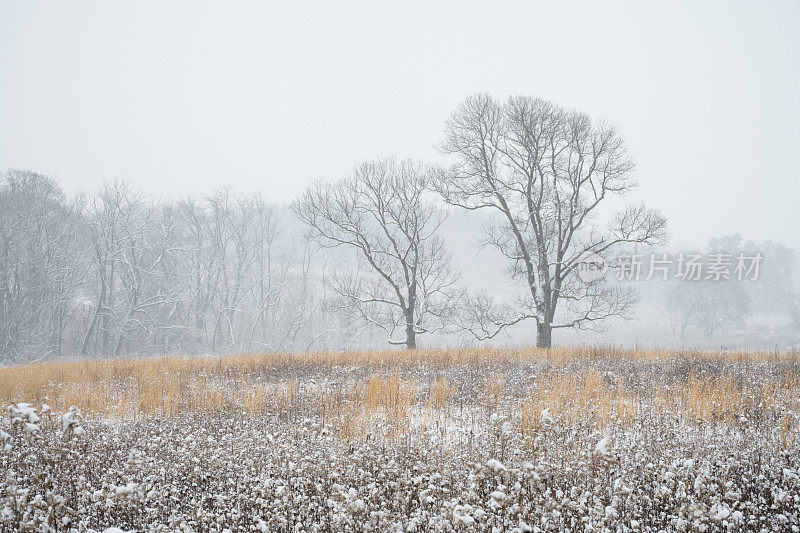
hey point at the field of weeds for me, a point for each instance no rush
(459, 440)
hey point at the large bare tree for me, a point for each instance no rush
(403, 280)
(544, 172)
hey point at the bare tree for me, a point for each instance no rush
(279, 297)
(544, 172)
(708, 305)
(41, 265)
(404, 280)
(117, 218)
(116, 272)
(245, 290)
(146, 277)
(720, 304)
(235, 255)
(681, 307)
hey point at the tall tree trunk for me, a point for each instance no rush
(544, 335)
(411, 332)
(105, 318)
(131, 310)
(93, 324)
(59, 340)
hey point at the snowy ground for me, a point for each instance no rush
(585, 440)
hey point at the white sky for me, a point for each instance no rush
(182, 97)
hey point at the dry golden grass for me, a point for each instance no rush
(441, 395)
(572, 398)
(493, 392)
(392, 397)
(168, 387)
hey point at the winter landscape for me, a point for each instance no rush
(451, 267)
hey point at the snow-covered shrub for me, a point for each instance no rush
(72, 423)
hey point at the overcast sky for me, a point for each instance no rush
(182, 97)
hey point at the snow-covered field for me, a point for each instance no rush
(578, 439)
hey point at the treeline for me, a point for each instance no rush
(711, 307)
(116, 272)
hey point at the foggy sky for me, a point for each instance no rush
(182, 97)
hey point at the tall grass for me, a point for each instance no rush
(396, 386)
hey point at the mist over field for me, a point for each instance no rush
(359, 267)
